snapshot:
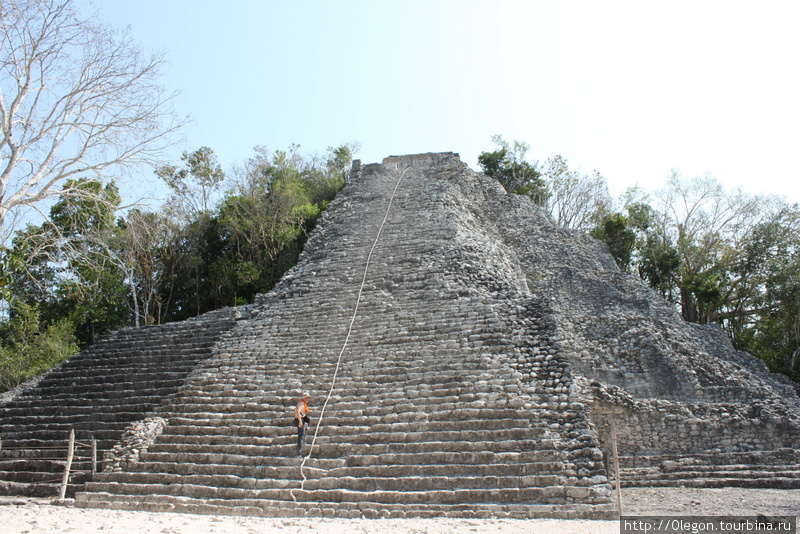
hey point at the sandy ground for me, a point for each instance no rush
(22, 516)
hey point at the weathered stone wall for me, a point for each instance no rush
(135, 441)
(668, 386)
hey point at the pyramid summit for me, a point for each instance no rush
(465, 356)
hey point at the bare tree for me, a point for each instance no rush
(76, 99)
(708, 226)
(575, 198)
(147, 256)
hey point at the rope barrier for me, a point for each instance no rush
(349, 331)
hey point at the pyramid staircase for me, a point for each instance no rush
(97, 394)
(428, 414)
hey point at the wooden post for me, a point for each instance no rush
(616, 467)
(94, 457)
(70, 453)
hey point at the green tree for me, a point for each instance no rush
(195, 184)
(268, 220)
(257, 232)
(654, 256)
(29, 347)
(763, 312)
(658, 263)
(508, 166)
(199, 245)
(69, 270)
(337, 164)
(615, 232)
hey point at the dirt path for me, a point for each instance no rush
(33, 516)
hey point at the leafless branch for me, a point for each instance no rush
(76, 99)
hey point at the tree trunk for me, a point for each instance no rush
(688, 305)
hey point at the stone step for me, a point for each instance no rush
(55, 464)
(783, 476)
(33, 448)
(527, 461)
(549, 458)
(399, 411)
(215, 482)
(323, 449)
(464, 446)
(58, 417)
(357, 389)
(102, 387)
(356, 509)
(223, 454)
(149, 346)
(354, 387)
(330, 330)
(286, 448)
(35, 404)
(30, 418)
(134, 372)
(242, 429)
(227, 400)
(444, 435)
(148, 343)
(388, 407)
(549, 473)
(287, 492)
(763, 479)
(57, 426)
(256, 479)
(26, 489)
(144, 352)
(288, 468)
(241, 435)
(717, 468)
(48, 477)
(33, 445)
(432, 483)
(137, 376)
(236, 465)
(353, 434)
(457, 371)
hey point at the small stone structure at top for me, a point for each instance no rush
(487, 355)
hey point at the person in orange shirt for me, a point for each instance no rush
(301, 421)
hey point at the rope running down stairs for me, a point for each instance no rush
(349, 331)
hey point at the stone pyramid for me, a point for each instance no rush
(466, 357)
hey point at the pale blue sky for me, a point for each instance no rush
(631, 89)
